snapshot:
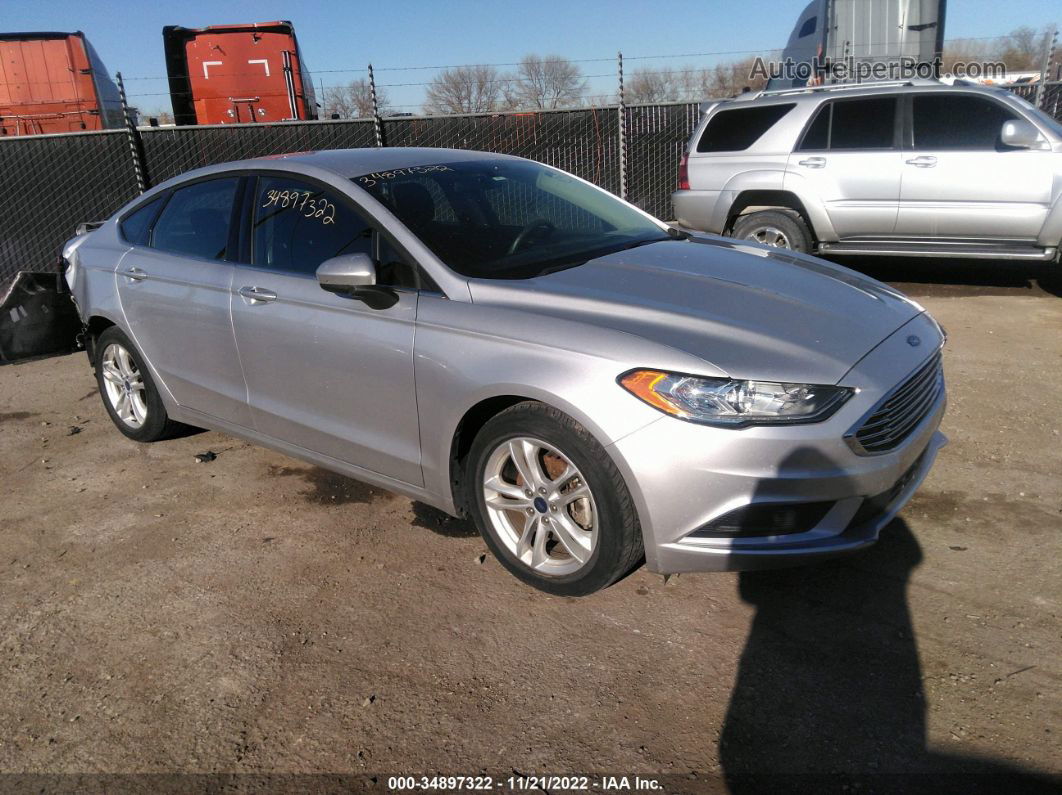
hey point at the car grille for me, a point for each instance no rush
(901, 411)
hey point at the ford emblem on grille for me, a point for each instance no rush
(914, 341)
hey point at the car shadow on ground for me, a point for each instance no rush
(829, 691)
(932, 277)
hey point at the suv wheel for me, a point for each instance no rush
(777, 228)
(550, 503)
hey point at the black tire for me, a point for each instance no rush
(618, 548)
(155, 424)
(761, 227)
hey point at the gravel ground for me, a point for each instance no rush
(256, 615)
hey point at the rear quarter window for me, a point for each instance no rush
(136, 226)
(737, 129)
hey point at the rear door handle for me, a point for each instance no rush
(813, 162)
(922, 161)
(135, 274)
(257, 295)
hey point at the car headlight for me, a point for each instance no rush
(734, 404)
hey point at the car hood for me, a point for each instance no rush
(748, 311)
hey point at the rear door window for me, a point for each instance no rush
(957, 121)
(737, 129)
(852, 124)
(195, 221)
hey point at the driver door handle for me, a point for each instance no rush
(257, 295)
(922, 161)
(136, 274)
(813, 162)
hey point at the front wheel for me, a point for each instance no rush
(775, 228)
(550, 503)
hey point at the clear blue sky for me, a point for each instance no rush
(339, 38)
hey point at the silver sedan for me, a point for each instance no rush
(505, 341)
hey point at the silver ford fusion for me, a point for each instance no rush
(505, 341)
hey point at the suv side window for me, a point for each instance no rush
(852, 124)
(957, 121)
(195, 221)
(737, 129)
(298, 225)
(136, 227)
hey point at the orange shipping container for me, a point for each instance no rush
(231, 74)
(54, 83)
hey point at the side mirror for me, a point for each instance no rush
(354, 276)
(1020, 133)
(343, 273)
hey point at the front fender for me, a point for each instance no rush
(459, 365)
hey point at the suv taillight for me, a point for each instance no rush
(684, 172)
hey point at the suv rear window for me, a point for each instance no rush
(738, 129)
(852, 124)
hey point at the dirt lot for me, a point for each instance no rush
(257, 615)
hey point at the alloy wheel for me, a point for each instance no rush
(540, 506)
(124, 385)
(769, 236)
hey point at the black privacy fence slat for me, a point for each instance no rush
(174, 150)
(656, 138)
(51, 183)
(62, 180)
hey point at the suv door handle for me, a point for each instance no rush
(813, 162)
(135, 274)
(922, 161)
(257, 295)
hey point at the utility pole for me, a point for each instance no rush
(377, 122)
(132, 135)
(1045, 70)
(622, 131)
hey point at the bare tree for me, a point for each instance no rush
(692, 84)
(654, 85)
(465, 89)
(544, 82)
(1021, 50)
(354, 100)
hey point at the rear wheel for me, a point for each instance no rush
(550, 503)
(129, 394)
(776, 228)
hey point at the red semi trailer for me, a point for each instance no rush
(54, 83)
(232, 74)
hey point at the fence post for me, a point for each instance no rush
(134, 137)
(377, 122)
(622, 131)
(1045, 71)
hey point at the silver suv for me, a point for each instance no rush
(913, 169)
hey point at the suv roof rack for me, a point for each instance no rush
(776, 92)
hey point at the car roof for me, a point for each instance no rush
(354, 162)
(841, 91)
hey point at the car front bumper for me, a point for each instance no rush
(686, 478)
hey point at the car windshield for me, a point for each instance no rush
(508, 219)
